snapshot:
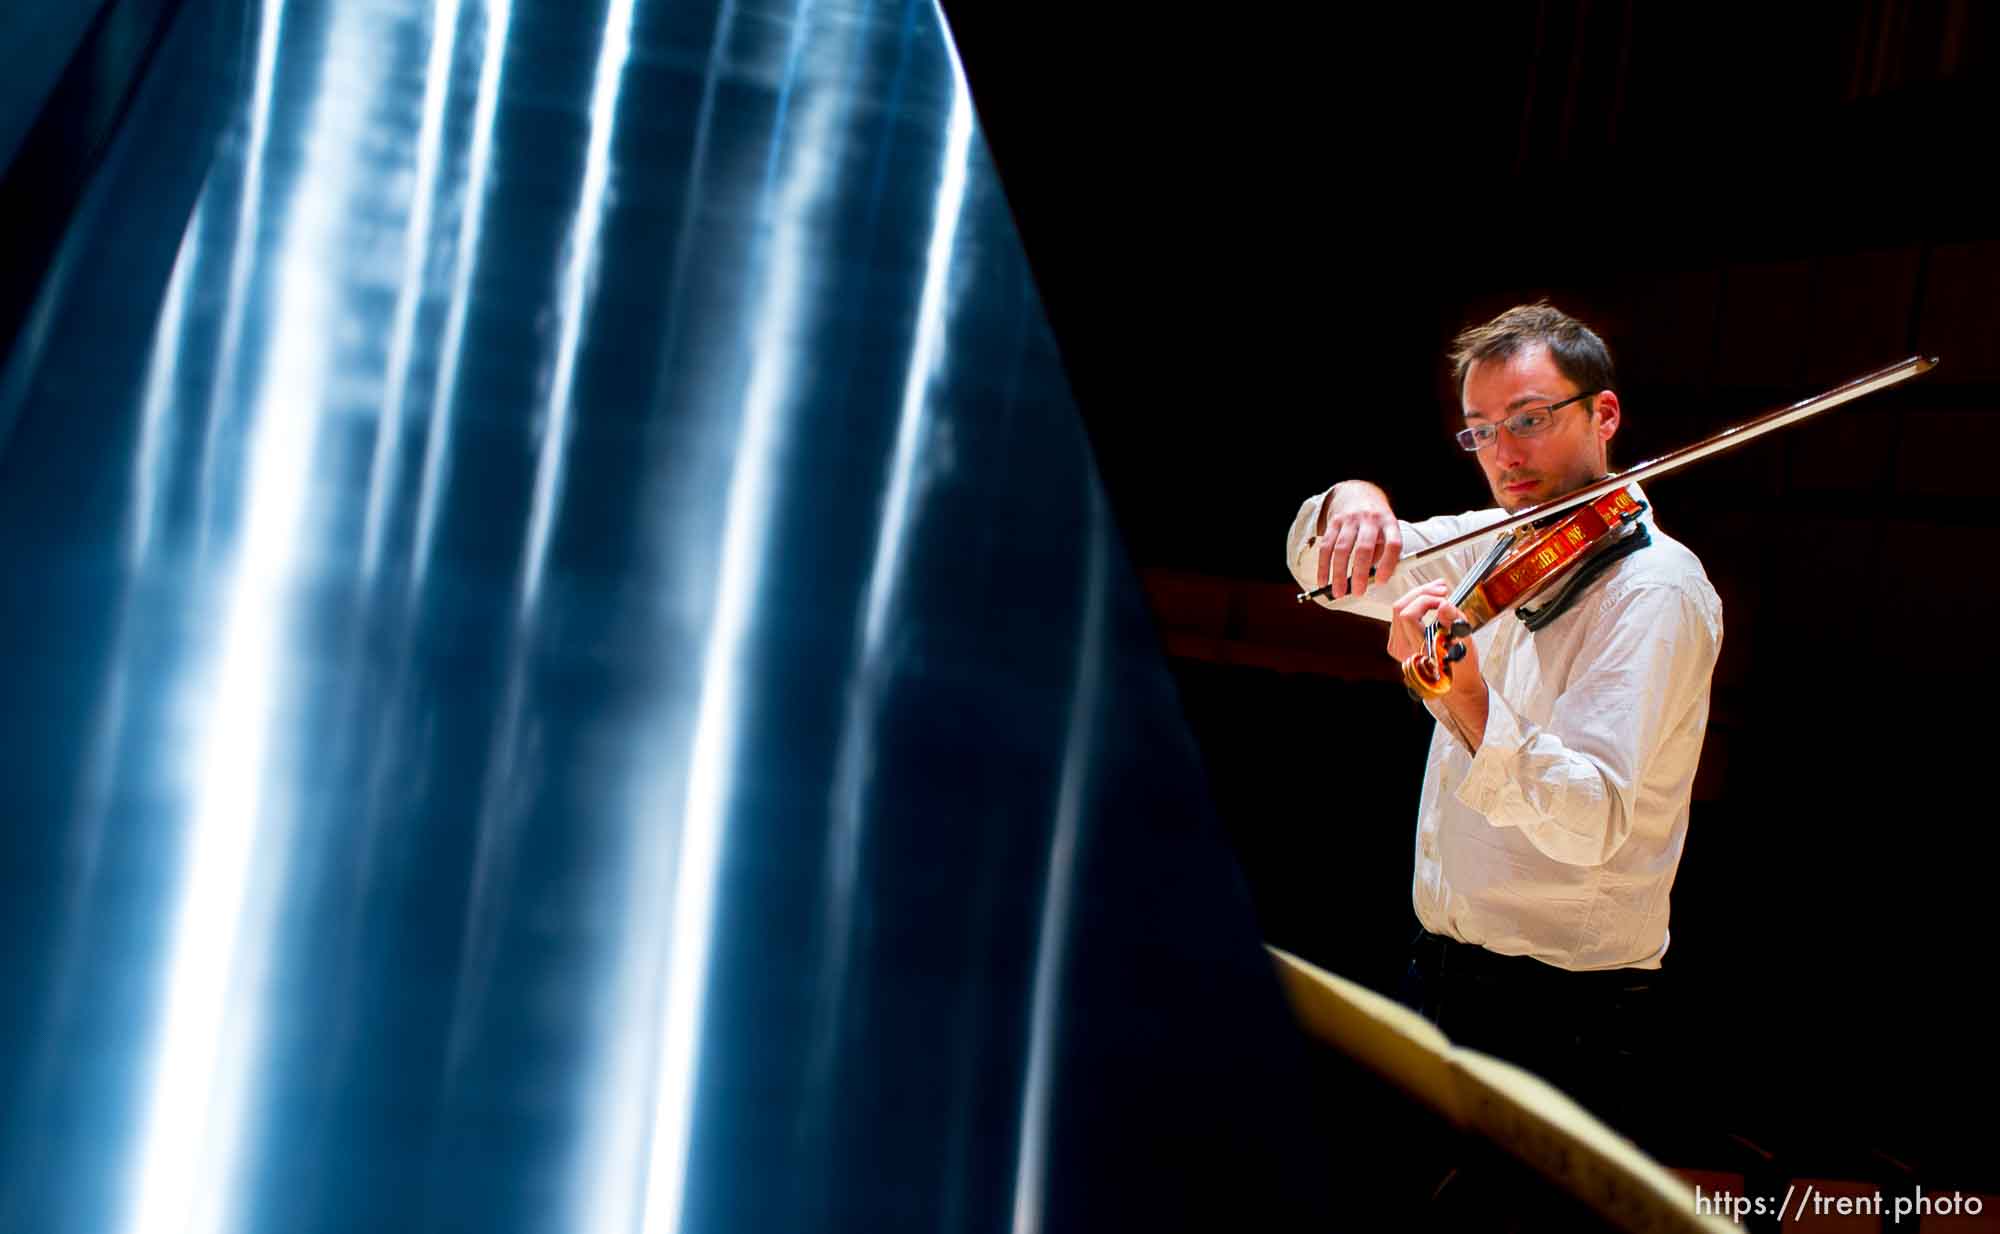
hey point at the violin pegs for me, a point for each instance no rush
(1457, 652)
(1459, 629)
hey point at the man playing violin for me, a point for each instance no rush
(1555, 798)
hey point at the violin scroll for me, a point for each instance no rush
(1427, 674)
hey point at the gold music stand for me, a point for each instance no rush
(1481, 1095)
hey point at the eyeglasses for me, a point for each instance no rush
(1524, 423)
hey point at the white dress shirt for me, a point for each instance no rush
(1559, 837)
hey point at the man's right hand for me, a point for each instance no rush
(1358, 533)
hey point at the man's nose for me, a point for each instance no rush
(1508, 450)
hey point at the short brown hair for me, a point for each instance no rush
(1577, 352)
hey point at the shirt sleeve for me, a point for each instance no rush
(1302, 555)
(1571, 786)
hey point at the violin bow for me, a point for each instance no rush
(1674, 460)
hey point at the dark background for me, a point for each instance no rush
(1256, 229)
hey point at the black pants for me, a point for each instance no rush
(1601, 1037)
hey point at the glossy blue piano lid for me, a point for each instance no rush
(571, 670)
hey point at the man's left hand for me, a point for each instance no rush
(1406, 633)
(1465, 674)
(1467, 698)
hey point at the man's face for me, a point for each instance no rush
(1525, 471)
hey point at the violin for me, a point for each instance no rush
(1537, 549)
(1523, 563)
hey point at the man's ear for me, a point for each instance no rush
(1607, 414)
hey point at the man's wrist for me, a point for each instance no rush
(1326, 507)
(1467, 705)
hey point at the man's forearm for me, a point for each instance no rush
(1465, 713)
